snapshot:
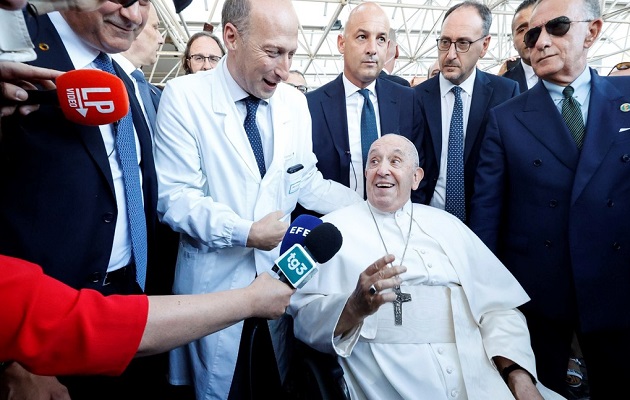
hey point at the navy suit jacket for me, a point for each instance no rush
(517, 73)
(327, 104)
(58, 207)
(394, 78)
(488, 91)
(557, 217)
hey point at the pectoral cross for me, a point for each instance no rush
(400, 299)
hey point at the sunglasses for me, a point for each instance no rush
(622, 66)
(556, 27)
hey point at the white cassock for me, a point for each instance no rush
(461, 315)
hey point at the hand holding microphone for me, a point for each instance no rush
(298, 263)
(14, 79)
(86, 96)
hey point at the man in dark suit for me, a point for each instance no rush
(551, 198)
(337, 107)
(463, 41)
(522, 72)
(390, 61)
(74, 207)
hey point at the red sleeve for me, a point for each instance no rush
(52, 329)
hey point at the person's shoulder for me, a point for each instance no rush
(321, 91)
(499, 81)
(346, 214)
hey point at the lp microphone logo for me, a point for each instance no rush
(81, 99)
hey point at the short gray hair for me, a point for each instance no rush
(237, 13)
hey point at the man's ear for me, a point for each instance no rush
(230, 34)
(341, 42)
(594, 29)
(418, 174)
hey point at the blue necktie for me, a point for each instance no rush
(455, 202)
(147, 101)
(572, 115)
(126, 148)
(253, 134)
(369, 132)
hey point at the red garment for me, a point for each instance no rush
(52, 329)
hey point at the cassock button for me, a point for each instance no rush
(449, 370)
(433, 281)
(454, 393)
(423, 251)
(429, 265)
(440, 350)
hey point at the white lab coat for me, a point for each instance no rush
(442, 252)
(209, 183)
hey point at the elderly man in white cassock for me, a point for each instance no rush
(435, 317)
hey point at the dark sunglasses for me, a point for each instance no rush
(622, 66)
(556, 27)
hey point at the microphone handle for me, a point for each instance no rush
(34, 97)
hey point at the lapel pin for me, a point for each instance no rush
(625, 107)
(43, 46)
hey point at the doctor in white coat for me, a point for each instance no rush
(230, 218)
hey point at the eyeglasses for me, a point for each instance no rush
(461, 46)
(129, 3)
(556, 27)
(301, 88)
(622, 66)
(200, 59)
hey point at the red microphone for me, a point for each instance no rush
(86, 97)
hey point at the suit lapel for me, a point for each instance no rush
(544, 122)
(227, 121)
(55, 56)
(601, 130)
(334, 111)
(388, 109)
(482, 92)
(433, 107)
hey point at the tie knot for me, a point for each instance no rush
(138, 76)
(365, 93)
(568, 92)
(251, 102)
(456, 91)
(103, 63)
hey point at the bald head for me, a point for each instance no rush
(364, 44)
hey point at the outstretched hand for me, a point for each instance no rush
(362, 302)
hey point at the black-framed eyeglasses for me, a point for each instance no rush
(622, 66)
(301, 88)
(461, 46)
(556, 27)
(200, 59)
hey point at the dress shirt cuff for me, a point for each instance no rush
(240, 233)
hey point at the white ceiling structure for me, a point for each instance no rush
(417, 24)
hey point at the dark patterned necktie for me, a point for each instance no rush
(126, 149)
(253, 134)
(455, 200)
(369, 133)
(572, 115)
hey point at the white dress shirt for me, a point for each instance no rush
(354, 107)
(447, 104)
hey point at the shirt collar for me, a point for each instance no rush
(529, 71)
(125, 64)
(581, 87)
(81, 53)
(350, 88)
(405, 208)
(467, 85)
